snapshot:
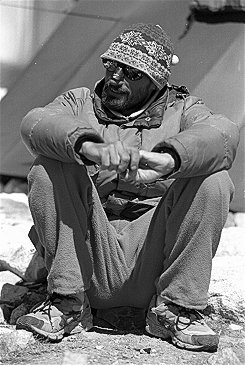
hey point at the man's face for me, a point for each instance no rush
(125, 89)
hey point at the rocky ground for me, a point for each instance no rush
(104, 344)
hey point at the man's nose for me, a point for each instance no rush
(118, 74)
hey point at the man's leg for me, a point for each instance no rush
(172, 245)
(195, 211)
(82, 250)
(53, 194)
(60, 207)
(176, 252)
(175, 242)
(117, 267)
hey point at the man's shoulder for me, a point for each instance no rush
(181, 93)
(77, 93)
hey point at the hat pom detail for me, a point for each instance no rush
(175, 59)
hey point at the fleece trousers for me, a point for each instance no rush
(167, 251)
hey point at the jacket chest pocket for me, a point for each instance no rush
(170, 127)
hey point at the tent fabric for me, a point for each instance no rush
(71, 58)
(218, 11)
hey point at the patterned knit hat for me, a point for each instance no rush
(145, 47)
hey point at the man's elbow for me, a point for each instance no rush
(27, 126)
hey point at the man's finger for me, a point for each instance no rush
(105, 158)
(134, 159)
(114, 157)
(124, 157)
(131, 176)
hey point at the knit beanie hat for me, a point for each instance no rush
(146, 47)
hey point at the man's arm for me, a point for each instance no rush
(53, 130)
(132, 164)
(206, 144)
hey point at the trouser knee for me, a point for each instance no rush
(217, 187)
(48, 173)
(39, 173)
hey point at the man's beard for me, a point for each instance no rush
(115, 101)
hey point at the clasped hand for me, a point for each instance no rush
(129, 162)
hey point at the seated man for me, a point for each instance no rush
(129, 194)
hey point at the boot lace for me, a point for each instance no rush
(191, 316)
(46, 307)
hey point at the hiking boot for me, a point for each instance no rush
(57, 316)
(186, 327)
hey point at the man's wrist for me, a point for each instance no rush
(80, 150)
(171, 162)
(84, 147)
(174, 155)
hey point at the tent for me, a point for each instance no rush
(211, 66)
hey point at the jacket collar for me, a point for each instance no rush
(151, 117)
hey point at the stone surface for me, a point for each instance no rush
(235, 327)
(12, 294)
(5, 266)
(11, 340)
(230, 222)
(224, 357)
(227, 287)
(72, 358)
(15, 222)
(239, 219)
(15, 185)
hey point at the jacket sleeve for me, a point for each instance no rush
(53, 130)
(207, 142)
